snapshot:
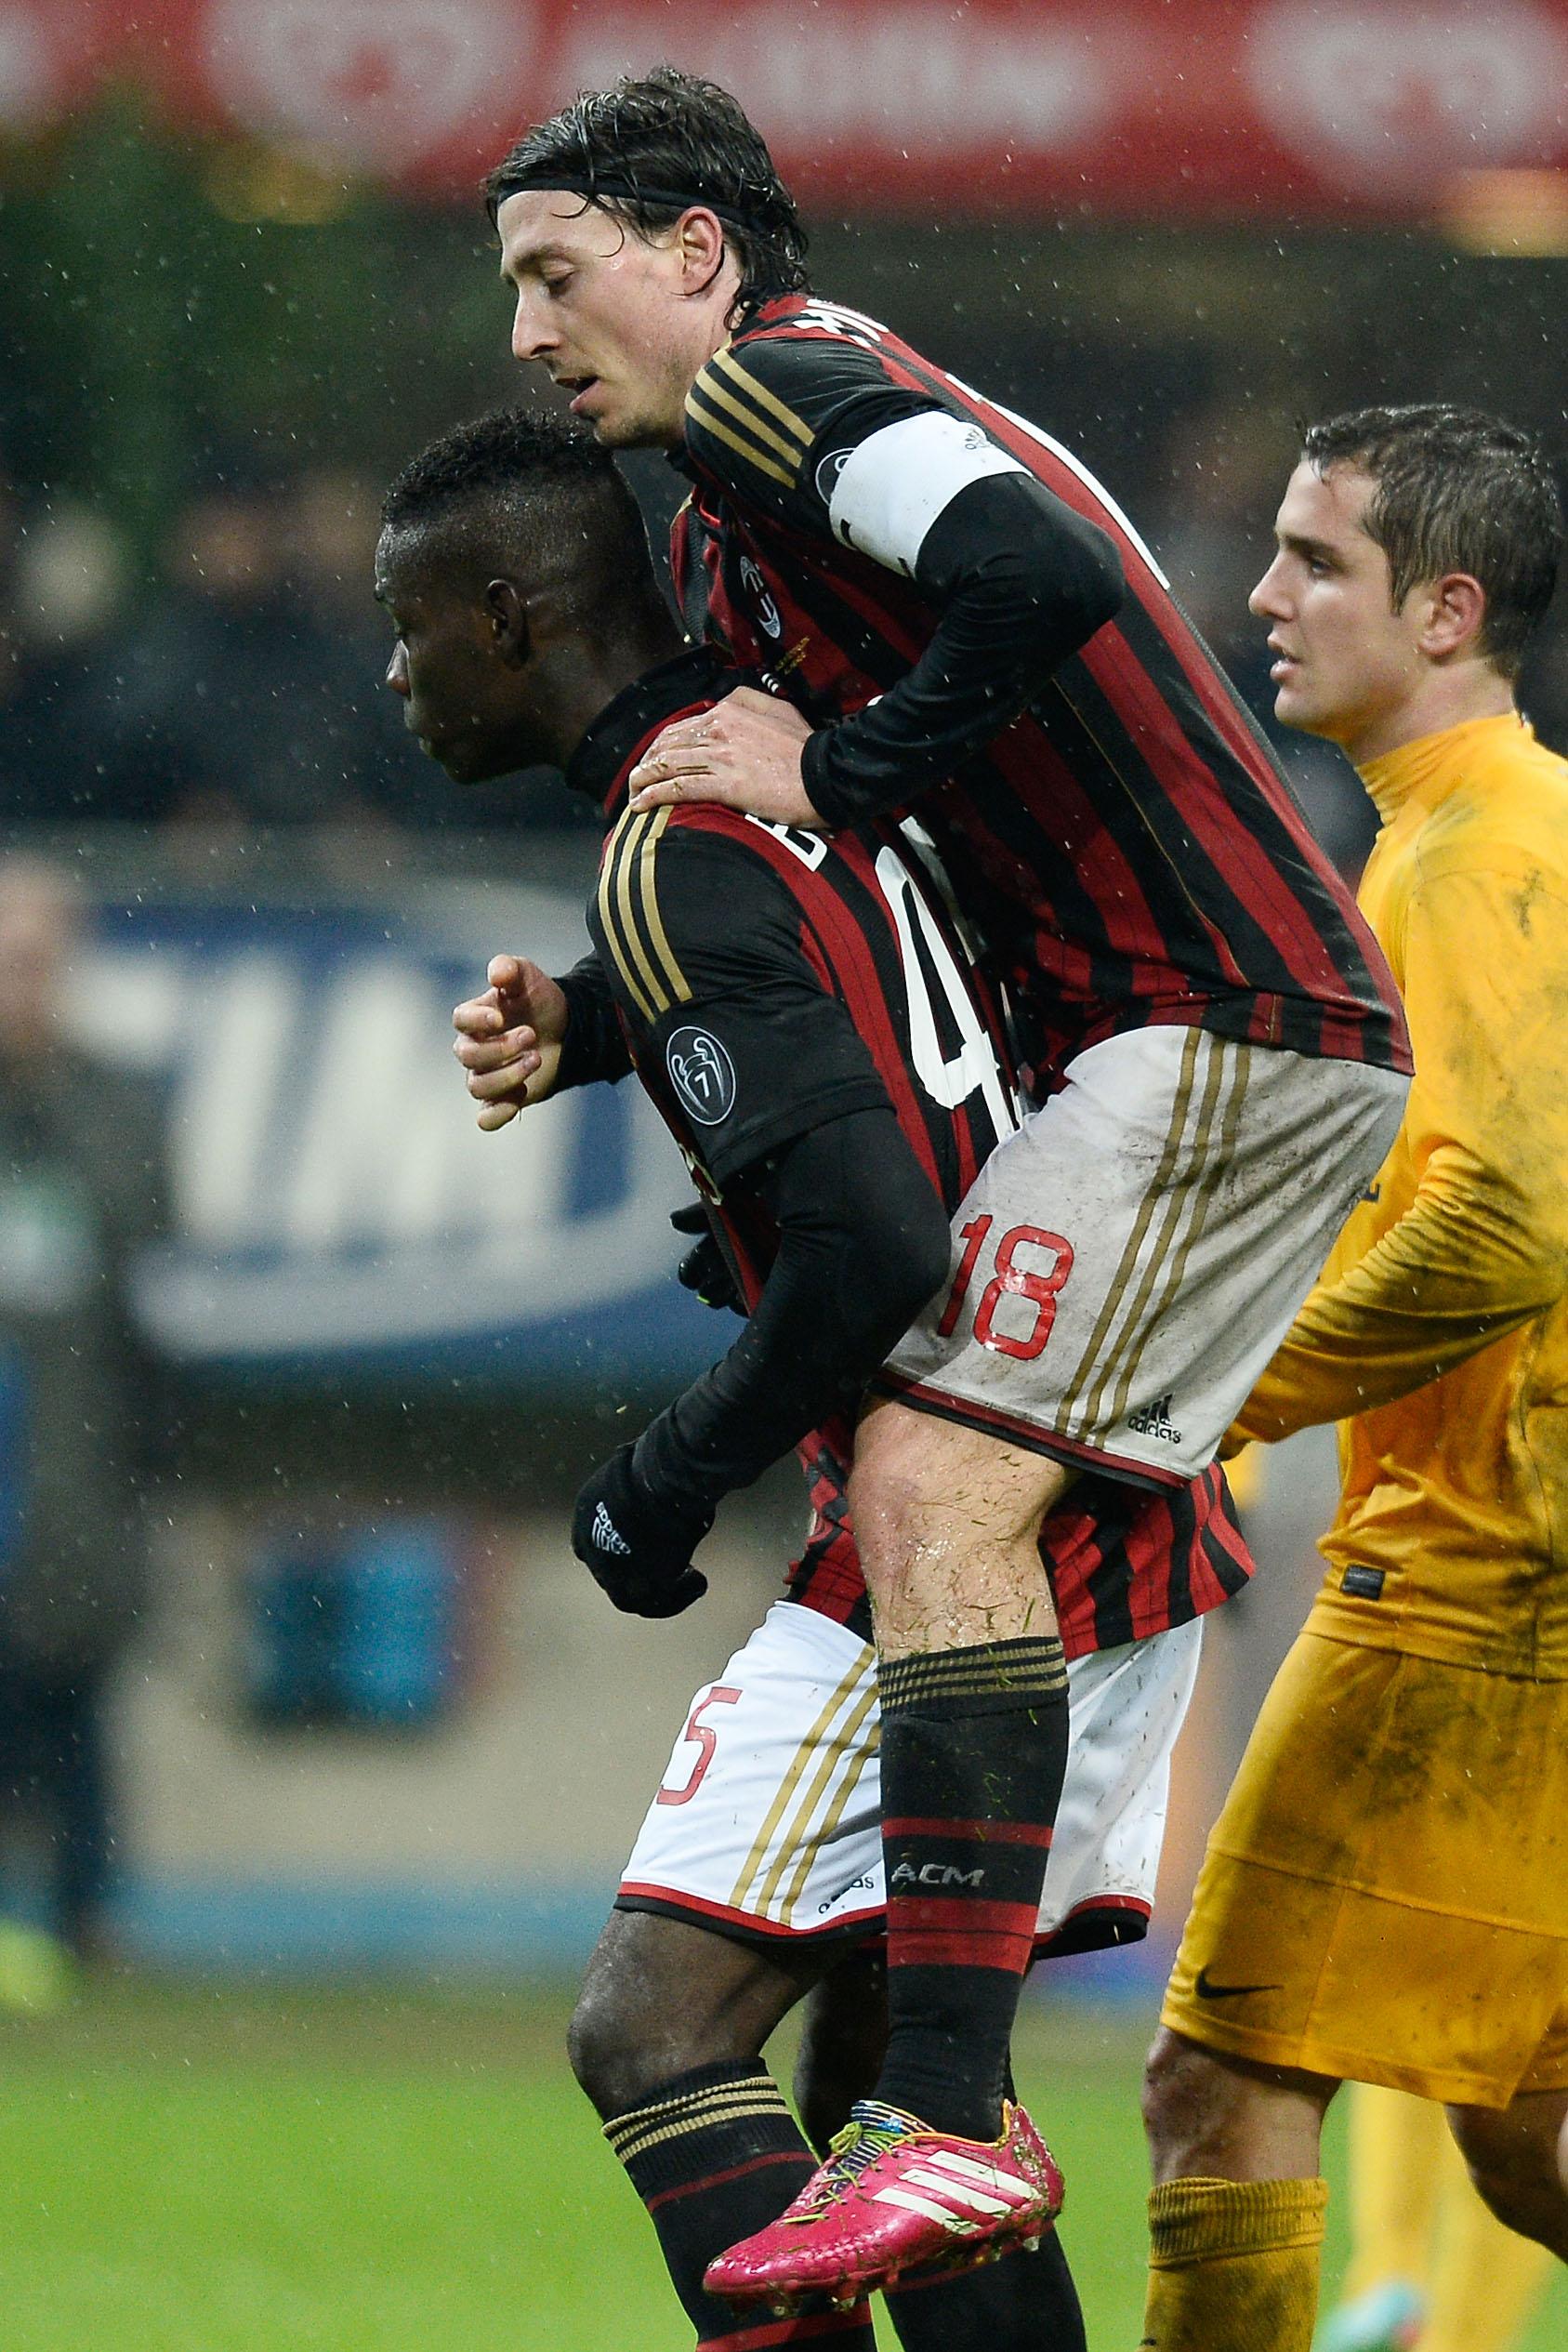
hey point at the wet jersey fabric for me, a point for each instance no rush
(769, 981)
(1125, 845)
(1437, 1333)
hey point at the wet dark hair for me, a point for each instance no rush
(518, 479)
(649, 149)
(1457, 491)
(497, 456)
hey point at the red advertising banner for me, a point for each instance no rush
(1246, 107)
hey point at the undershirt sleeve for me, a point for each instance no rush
(863, 1245)
(818, 437)
(594, 1047)
(1018, 583)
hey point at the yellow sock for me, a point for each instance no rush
(1485, 2281)
(1233, 2266)
(1397, 2155)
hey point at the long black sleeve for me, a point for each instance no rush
(1020, 583)
(863, 1245)
(594, 1046)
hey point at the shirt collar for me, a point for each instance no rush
(609, 750)
(1425, 771)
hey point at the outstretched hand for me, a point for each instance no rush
(744, 753)
(508, 1039)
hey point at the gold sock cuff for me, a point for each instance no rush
(743, 2100)
(1211, 2220)
(1017, 1672)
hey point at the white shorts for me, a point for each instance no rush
(768, 1822)
(1125, 1265)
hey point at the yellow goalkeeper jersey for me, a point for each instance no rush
(1437, 1335)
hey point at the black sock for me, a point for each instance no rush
(714, 2155)
(974, 1748)
(1025, 2303)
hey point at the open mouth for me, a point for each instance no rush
(577, 388)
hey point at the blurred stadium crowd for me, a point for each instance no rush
(234, 700)
(236, 695)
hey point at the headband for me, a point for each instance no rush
(598, 186)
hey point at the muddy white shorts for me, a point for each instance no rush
(1125, 1265)
(767, 1824)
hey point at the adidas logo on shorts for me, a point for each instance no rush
(1154, 1420)
(607, 1535)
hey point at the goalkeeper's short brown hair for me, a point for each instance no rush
(1457, 491)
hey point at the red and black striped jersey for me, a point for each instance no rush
(1128, 847)
(768, 982)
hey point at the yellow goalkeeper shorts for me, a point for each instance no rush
(1385, 1895)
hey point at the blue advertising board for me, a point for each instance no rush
(336, 1205)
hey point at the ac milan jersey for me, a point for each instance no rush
(769, 981)
(1127, 847)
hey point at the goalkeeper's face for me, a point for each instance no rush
(1347, 663)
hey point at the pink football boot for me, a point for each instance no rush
(894, 2196)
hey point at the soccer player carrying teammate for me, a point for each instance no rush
(529, 626)
(1214, 1045)
(1386, 1892)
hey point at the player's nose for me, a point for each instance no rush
(531, 335)
(1264, 601)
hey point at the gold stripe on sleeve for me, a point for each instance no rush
(742, 380)
(613, 912)
(712, 388)
(626, 867)
(748, 450)
(658, 938)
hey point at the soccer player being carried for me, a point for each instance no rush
(962, 621)
(806, 1017)
(1386, 1893)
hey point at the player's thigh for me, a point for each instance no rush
(1125, 1263)
(916, 1478)
(661, 1996)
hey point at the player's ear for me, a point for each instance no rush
(701, 246)
(1456, 615)
(507, 615)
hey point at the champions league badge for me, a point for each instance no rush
(701, 1074)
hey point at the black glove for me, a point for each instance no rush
(705, 1269)
(635, 1549)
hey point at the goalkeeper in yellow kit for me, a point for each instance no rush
(1385, 1895)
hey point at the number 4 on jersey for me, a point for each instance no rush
(948, 1079)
